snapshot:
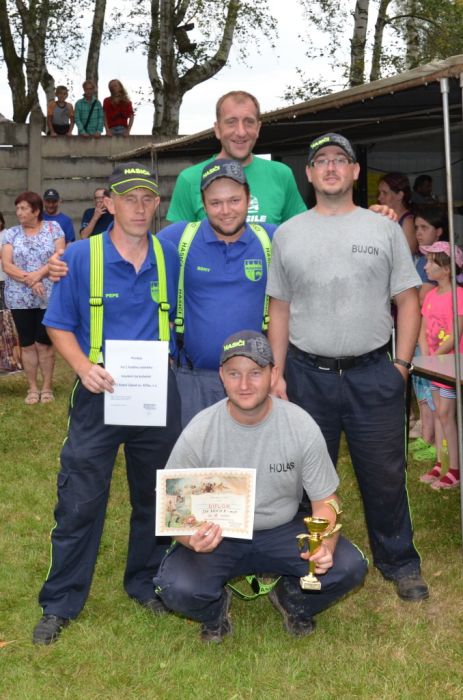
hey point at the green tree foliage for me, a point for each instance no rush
(187, 42)
(401, 34)
(34, 35)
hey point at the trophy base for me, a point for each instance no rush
(310, 583)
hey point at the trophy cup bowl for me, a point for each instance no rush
(316, 527)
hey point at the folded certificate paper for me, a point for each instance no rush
(185, 498)
(139, 368)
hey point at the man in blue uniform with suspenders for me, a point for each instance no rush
(223, 273)
(122, 285)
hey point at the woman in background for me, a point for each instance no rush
(9, 343)
(25, 253)
(395, 191)
(118, 110)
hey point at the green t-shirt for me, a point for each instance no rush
(274, 194)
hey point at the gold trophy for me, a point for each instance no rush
(316, 528)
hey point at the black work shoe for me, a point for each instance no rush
(48, 629)
(296, 626)
(412, 588)
(154, 605)
(216, 631)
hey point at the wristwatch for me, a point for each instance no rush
(404, 363)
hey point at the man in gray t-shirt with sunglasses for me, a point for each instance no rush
(283, 444)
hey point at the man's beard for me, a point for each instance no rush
(229, 234)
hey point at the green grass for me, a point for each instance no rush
(371, 645)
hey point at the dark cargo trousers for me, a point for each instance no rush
(367, 403)
(192, 583)
(87, 461)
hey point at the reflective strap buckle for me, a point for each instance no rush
(164, 306)
(96, 301)
(178, 323)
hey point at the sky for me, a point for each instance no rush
(266, 76)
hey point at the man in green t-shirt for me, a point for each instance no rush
(274, 194)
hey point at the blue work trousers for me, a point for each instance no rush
(87, 462)
(192, 583)
(367, 402)
(199, 389)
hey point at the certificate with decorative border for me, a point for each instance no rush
(185, 498)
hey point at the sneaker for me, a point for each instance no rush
(432, 475)
(451, 480)
(154, 605)
(48, 629)
(295, 626)
(215, 632)
(412, 588)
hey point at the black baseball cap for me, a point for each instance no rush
(249, 344)
(331, 139)
(129, 176)
(231, 169)
(51, 194)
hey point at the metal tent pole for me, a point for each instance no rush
(444, 86)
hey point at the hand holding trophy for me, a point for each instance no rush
(317, 531)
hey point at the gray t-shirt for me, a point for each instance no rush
(286, 449)
(339, 273)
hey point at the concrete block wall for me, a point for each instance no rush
(74, 166)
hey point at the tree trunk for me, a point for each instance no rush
(153, 72)
(412, 36)
(357, 44)
(168, 86)
(169, 124)
(35, 22)
(47, 82)
(93, 57)
(15, 66)
(381, 22)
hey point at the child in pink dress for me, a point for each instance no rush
(436, 338)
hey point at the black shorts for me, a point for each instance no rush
(61, 129)
(29, 325)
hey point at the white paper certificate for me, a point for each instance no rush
(185, 498)
(139, 368)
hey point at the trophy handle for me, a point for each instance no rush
(334, 505)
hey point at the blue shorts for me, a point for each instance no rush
(445, 391)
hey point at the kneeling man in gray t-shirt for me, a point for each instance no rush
(284, 445)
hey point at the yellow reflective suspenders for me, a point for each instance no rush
(163, 304)
(183, 248)
(189, 232)
(96, 295)
(266, 244)
(96, 298)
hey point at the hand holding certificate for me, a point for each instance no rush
(139, 369)
(186, 498)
